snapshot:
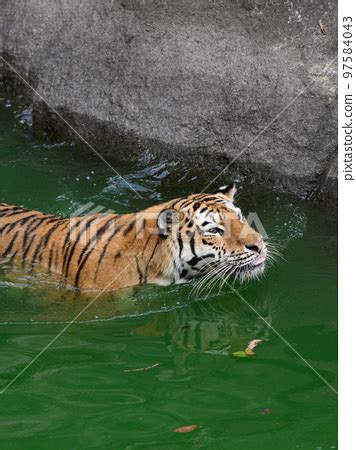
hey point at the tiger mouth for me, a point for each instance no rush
(248, 271)
(257, 262)
(239, 272)
(230, 268)
(260, 260)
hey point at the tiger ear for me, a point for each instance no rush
(229, 191)
(167, 220)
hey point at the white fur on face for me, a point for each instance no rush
(236, 210)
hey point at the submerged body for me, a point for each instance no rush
(201, 234)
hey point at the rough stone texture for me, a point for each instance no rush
(195, 80)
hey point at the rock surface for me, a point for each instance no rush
(251, 83)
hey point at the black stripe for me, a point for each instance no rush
(140, 274)
(245, 257)
(103, 252)
(25, 219)
(80, 268)
(12, 208)
(153, 252)
(209, 198)
(215, 203)
(114, 232)
(12, 225)
(85, 259)
(183, 273)
(55, 259)
(16, 222)
(193, 261)
(4, 227)
(186, 203)
(51, 219)
(150, 259)
(40, 220)
(94, 238)
(177, 201)
(192, 243)
(16, 213)
(180, 243)
(66, 242)
(26, 236)
(30, 228)
(201, 196)
(27, 233)
(80, 234)
(148, 241)
(192, 200)
(129, 227)
(12, 257)
(50, 258)
(11, 244)
(24, 255)
(42, 244)
(48, 236)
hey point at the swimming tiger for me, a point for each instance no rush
(174, 242)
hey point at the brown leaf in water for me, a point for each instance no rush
(186, 429)
(248, 350)
(252, 344)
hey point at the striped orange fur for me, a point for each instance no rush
(165, 244)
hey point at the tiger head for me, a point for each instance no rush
(208, 235)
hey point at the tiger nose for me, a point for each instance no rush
(256, 246)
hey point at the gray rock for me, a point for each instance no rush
(251, 83)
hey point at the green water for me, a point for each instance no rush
(77, 394)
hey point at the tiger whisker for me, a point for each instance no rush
(209, 278)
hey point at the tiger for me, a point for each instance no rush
(197, 235)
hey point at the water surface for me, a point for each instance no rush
(77, 394)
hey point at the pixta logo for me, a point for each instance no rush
(86, 222)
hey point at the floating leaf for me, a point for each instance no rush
(143, 369)
(240, 354)
(266, 411)
(249, 352)
(252, 344)
(186, 429)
